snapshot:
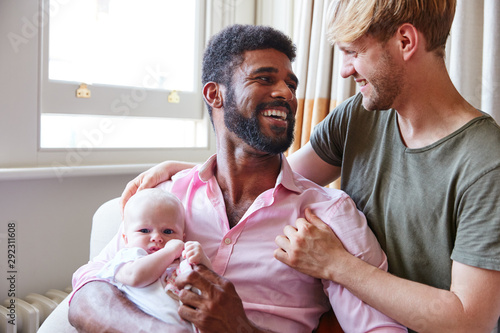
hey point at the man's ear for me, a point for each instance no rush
(408, 39)
(212, 94)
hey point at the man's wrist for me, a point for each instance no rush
(343, 269)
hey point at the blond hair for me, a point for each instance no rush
(150, 198)
(351, 19)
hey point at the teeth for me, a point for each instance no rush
(362, 83)
(275, 113)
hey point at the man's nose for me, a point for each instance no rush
(283, 91)
(347, 68)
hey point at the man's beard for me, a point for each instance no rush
(248, 129)
(385, 88)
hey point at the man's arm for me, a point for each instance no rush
(152, 177)
(304, 161)
(471, 305)
(307, 163)
(100, 307)
(217, 308)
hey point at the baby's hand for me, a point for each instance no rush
(195, 255)
(174, 246)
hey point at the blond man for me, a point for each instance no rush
(421, 163)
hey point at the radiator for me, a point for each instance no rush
(26, 315)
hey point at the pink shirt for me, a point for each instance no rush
(274, 295)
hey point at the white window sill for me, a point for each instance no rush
(63, 172)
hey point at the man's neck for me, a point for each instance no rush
(242, 177)
(432, 110)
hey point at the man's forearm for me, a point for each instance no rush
(420, 307)
(100, 307)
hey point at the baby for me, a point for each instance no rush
(153, 233)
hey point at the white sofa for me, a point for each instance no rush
(105, 224)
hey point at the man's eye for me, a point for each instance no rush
(292, 87)
(168, 231)
(264, 78)
(144, 231)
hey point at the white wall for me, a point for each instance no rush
(18, 83)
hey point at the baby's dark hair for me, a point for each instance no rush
(225, 50)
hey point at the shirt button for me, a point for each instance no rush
(227, 241)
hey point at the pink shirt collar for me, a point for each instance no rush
(285, 177)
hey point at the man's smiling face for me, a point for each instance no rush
(380, 77)
(260, 104)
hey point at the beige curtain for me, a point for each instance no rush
(321, 88)
(472, 59)
(473, 53)
(317, 65)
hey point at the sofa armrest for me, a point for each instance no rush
(105, 224)
(57, 321)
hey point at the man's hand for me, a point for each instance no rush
(217, 308)
(152, 177)
(311, 248)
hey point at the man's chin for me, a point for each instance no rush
(368, 105)
(277, 147)
(371, 105)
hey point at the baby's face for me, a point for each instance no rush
(152, 227)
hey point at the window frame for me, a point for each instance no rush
(60, 97)
(86, 154)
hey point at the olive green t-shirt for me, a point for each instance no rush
(427, 206)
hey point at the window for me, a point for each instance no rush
(45, 126)
(122, 74)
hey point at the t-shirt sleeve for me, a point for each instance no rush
(328, 137)
(478, 232)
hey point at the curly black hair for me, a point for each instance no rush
(224, 51)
